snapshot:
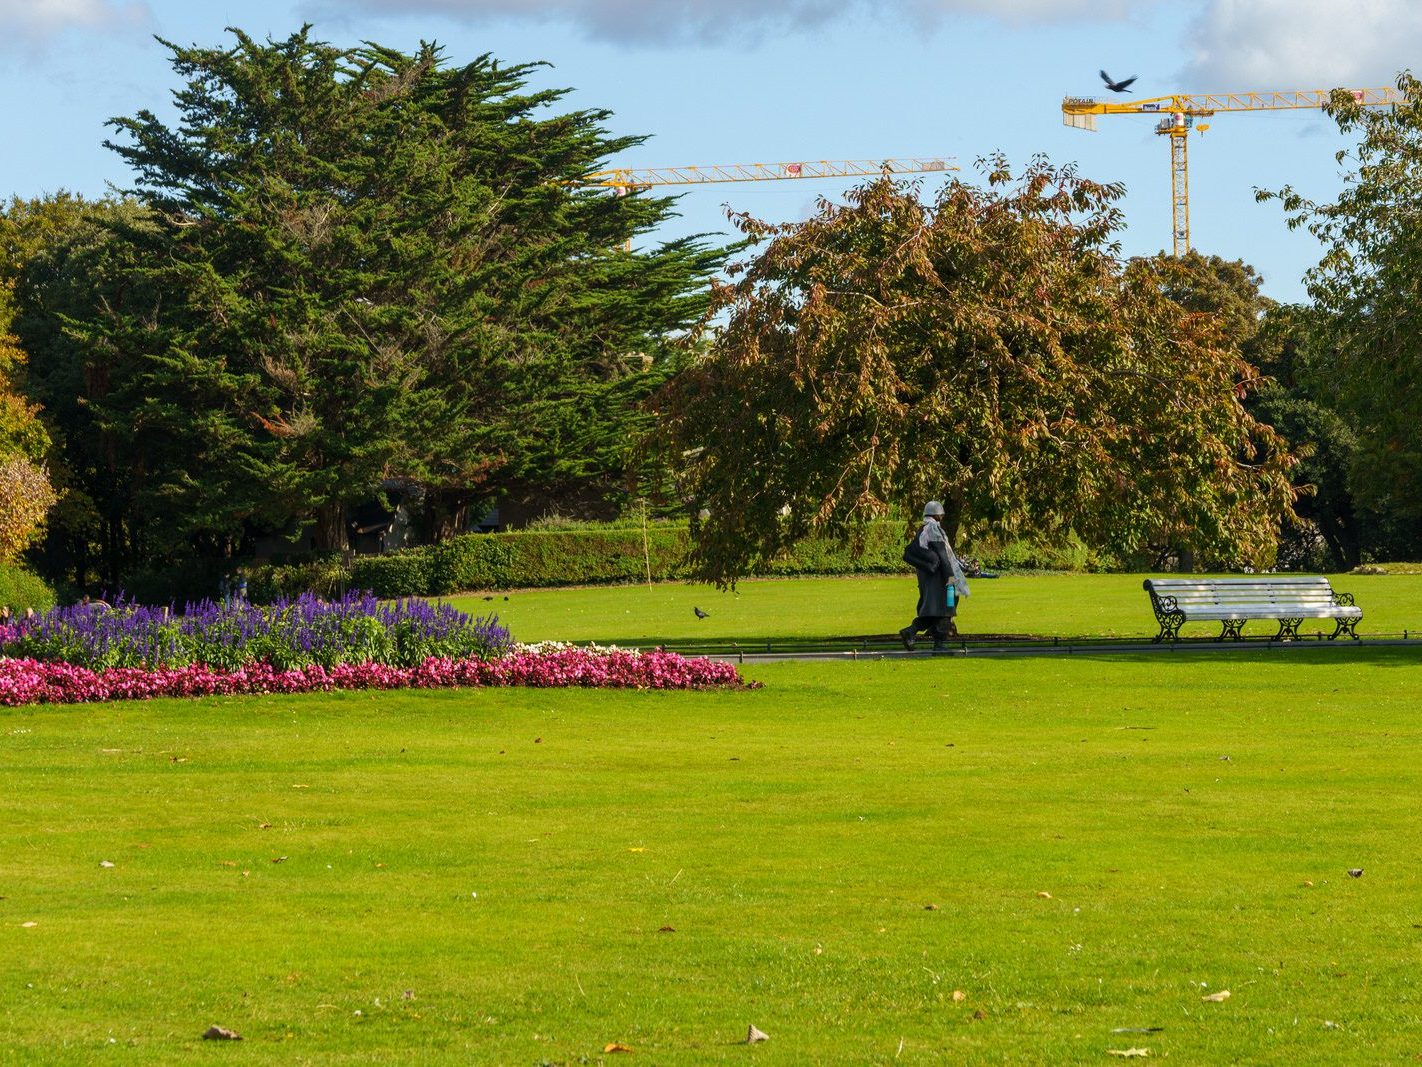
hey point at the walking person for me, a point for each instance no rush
(940, 581)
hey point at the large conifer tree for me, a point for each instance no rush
(371, 265)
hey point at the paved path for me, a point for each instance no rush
(878, 648)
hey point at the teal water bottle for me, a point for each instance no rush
(952, 595)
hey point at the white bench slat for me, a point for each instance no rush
(1233, 601)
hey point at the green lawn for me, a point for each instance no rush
(511, 859)
(1074, 605)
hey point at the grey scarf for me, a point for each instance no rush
(933, 532)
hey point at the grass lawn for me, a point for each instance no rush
(546, 872)
(1072, 605)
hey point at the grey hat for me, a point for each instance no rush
(933, 509)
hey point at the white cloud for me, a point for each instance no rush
(697, 20)
(1302, 44)
(32, 21)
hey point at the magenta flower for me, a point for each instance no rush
(30, 681)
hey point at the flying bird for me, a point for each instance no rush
(701, 614)
(1120, 86)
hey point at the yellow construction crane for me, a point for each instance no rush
(1177, 117)
(625, 178)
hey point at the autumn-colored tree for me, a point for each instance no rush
(987, 349)
(25, 497)
(25, 491)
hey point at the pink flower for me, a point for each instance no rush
(28, 681)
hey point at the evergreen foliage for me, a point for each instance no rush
(357, 269)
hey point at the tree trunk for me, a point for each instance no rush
(444, 515)
(329, 531)
(954, 504)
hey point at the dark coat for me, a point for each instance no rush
(933, 586)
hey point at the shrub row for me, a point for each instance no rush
(606, 555)
(541, 558)
(19, 589)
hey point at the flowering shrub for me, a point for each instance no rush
(30, 681)
(25, 499)
(289, 634)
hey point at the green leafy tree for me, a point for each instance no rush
(360, 266)
(987, 350)
(1367, 292)
(66, 265)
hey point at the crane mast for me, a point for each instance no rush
(1178, 113)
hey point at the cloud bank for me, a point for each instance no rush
(685, 21)
(30, 22)
(1302, 44)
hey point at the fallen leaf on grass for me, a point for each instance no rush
(637, 849)
(221, 1033)
(278, 859)
(1216, 998)
(1129, 1053)
(301, 787)
(106, 863)
(29, 925)
(613, 1046)
(755, 1034)
(1138, 1029)
(1045, 895)
(980, 1014)
(666, 929)
(959, 996)
(264, 826)
(1355, 872)
(930, 907)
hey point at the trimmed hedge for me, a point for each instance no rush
(541, 558)
(605, 555)
(20, 589)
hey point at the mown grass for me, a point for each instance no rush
(792, 838)
(1069, 605)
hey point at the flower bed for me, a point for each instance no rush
(29, 681)
(304, 632)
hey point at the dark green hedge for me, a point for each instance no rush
(20, 589)
(541, 558)
(534, 558)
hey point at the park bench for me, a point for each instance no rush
(1232, 602)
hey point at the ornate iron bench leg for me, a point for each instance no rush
(1344, 627)
(1288, 629)
(1170, 623)
(1231, 630)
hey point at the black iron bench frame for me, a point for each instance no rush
(1232, 615)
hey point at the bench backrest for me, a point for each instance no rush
(1264, 594)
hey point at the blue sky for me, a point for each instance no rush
(737, 81)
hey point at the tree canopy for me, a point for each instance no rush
(987, 349)
(1367, 292)
(357, 268)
